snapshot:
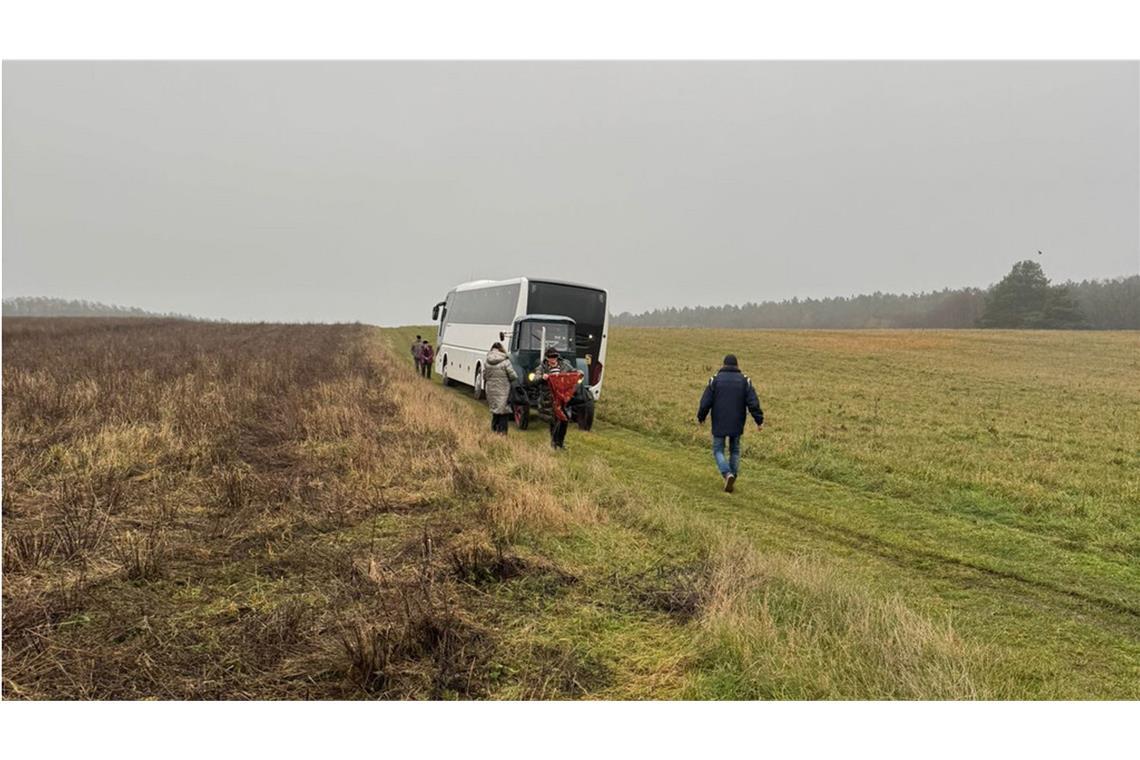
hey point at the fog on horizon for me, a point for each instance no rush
(363, 191)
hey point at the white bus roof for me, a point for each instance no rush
(473, 284)
(545, 318)
(486, 283)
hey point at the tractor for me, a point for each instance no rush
(530, 336)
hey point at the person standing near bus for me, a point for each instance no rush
(427, 356)
(417, 349)
(498, 377)
(730, 396)
(553, 365)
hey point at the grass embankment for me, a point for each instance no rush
(905, 481)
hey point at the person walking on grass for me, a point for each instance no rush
(417, 350)
(553, 364)
(498, 377)
(730, 396)
(427, 356)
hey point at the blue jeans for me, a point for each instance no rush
(732, 464)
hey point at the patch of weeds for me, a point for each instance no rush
(564, 671)
(232, 489)
(269, 635)
(81, 524)
(480, 564)
(143, 556)
(678, 590)
(28, 551)
(471, 480)
(396, 657)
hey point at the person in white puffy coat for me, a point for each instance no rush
(498, 377)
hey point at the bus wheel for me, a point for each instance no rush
(443, 373)
(477, 388)
(522, 416)
(586, 416)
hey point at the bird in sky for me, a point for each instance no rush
(1039, 253)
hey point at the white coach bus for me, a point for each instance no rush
(476, 314)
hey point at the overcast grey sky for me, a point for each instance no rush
(363, 191)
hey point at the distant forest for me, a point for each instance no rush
(41, 306)
(1112, 304)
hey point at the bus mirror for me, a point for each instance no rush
(502, 335)
(435, 312)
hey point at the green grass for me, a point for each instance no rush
(927, 514)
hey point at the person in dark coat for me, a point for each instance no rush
(417, 349)
(427, 356)
(730, 396)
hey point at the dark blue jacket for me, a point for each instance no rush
(728, 396)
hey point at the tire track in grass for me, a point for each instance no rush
(1059, 644)
(684, 472)
(923, 500)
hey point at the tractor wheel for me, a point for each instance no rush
(522, 416)
(586, 416)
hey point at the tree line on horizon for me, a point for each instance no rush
(1023, 299)
(45, 306)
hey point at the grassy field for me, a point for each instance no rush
(287, 511)
(987, 483)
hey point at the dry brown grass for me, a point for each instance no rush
(236, 511)
(525, 488)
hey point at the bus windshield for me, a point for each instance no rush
(586, 306)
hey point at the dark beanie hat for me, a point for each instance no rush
(552, 351)
(730, 360)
